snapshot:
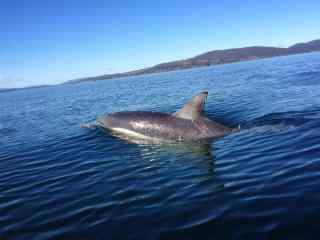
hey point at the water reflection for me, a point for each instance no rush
(179, 153)
(158, 145)
(193, 162)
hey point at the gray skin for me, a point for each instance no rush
(188, 124)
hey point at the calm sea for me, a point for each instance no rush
(61, 181)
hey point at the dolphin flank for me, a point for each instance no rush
(188, 124)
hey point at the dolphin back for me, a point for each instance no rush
(187, 124)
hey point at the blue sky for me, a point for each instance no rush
(48, 42)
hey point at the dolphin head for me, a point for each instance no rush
(193, 109)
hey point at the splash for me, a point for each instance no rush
(90, 125)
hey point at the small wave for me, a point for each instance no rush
(284, 120)
(7, 130)
(259, 76)
(304, 78)
(309, 73)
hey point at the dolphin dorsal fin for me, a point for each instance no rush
(193, 109)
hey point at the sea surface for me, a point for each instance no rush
(59, 180)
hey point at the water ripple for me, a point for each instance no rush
(61, 181)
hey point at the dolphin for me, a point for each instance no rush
(188, 124)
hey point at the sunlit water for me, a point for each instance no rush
(61, 181)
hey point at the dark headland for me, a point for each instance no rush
(214, 58)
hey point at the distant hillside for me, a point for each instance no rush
(216, 57)
(23, 88)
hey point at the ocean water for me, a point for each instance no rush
(61, 181)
